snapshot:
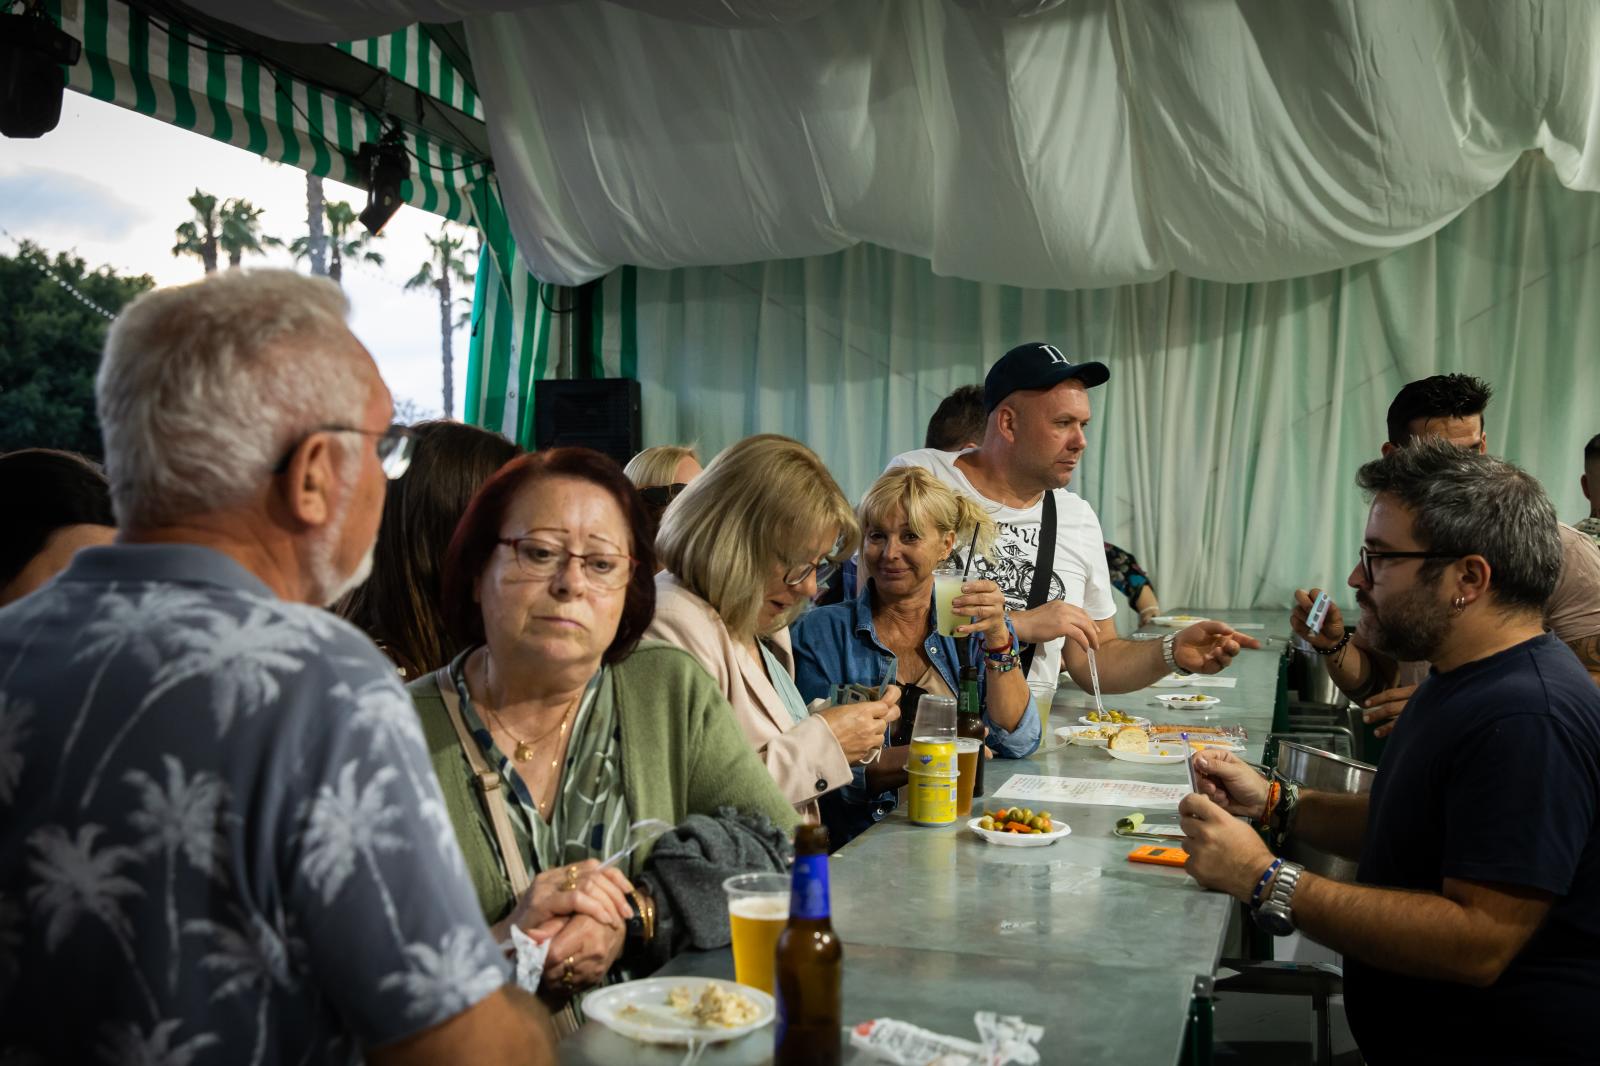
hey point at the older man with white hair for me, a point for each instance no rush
(220, 836)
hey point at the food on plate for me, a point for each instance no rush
(1016, 820)
(1089, 735)
(1196, 698)
(1204, 732)
(1120, 717)
(717, 1006)
(1131, 739)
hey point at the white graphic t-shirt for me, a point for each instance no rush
(1081, 577)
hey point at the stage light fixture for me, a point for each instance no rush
(383, 166)
(33, 53)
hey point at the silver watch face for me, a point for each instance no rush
(1275, 919)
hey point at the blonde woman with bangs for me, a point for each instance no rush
(910, 522)
(743, 549)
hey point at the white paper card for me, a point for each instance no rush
(1196, 681)
(1093, 793)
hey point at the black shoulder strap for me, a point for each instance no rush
(1044, 565)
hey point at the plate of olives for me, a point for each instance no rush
(1019, 827)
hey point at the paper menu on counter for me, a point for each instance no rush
(1195, 681)
(1044, 789)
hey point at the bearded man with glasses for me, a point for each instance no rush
(1477, 897)
(1448, 407)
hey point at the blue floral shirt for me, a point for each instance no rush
(221, 840)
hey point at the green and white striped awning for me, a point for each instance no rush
(210, 84)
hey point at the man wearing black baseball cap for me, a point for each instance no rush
(1038, 403)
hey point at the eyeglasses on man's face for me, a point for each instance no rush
(395, 446)
(1367, 555)
(542, 560)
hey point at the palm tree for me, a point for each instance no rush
(124, 1043)
(74, 880)
(316, 238)
(342, 243)
(14, 717)
(345, 822)
(183, 815)
(447, 980)
(241, 231)
(240, 659)
(198, 236)
(251, 959)
(446, 265)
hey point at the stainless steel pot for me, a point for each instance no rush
(1316, 769)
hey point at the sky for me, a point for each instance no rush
(111, 186)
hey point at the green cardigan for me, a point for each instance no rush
(682, 754)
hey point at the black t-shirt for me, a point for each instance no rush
(1492, 774)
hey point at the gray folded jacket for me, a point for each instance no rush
(684, 875)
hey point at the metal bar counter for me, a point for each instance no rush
(937, 924)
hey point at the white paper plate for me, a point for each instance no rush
(1177, 621)
(1137, 721)
(1187, 701)
(1069, 734)
(653, 1022)
(1021, 840)
(1159, 753)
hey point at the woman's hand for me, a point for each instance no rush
(580, 888)
(986, 605)
(581, 953)
(858, 727)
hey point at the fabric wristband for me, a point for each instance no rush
(1261, 885)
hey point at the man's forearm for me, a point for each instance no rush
(1332, 822)
(1124, 665)
(1420, 934)
(1360, 672)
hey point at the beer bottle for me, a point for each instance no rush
(810, 962)
(969, 719)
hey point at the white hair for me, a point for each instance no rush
(204, 387)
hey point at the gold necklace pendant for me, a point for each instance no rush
(524, 752)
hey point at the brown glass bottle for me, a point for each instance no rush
(810, 962)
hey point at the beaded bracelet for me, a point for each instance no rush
(1261, 885)
(1003, 661)
(1337, 648)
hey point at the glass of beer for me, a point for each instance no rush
(758, 909)
(968, 751)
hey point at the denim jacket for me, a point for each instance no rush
(838, 645)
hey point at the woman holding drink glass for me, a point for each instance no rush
(556, 730)
(744, 548)
(903, 621)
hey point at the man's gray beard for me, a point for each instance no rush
(327, 586)
(356, 579)
(1411, 628)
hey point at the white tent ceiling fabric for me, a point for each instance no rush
(1023, 142)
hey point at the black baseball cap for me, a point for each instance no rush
(1036, 365)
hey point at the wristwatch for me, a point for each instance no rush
(1167, 655)
(1274, 914)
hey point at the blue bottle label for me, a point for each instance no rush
(808, 896)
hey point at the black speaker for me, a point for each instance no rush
(598, 413)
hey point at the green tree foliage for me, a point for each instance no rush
(344, 241)
(50, 348)
(198, 236)
(241, 231)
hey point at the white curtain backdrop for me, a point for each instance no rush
(1088, 144)
(1224, 448)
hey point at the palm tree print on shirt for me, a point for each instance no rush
(446, 980)
(14, 718)
(240, 660)
(125, 1045)
(382, 707)
(181, 816)
(345, 822)
(251, 960)
(74, 880)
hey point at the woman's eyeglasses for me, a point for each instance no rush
(661, 495)
(824, 569)
(541, 561)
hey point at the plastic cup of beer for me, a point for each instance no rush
(968, 751)
(758, 909)
(947, 582)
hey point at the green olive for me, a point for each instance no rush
(986, 822)
(1036, 823)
